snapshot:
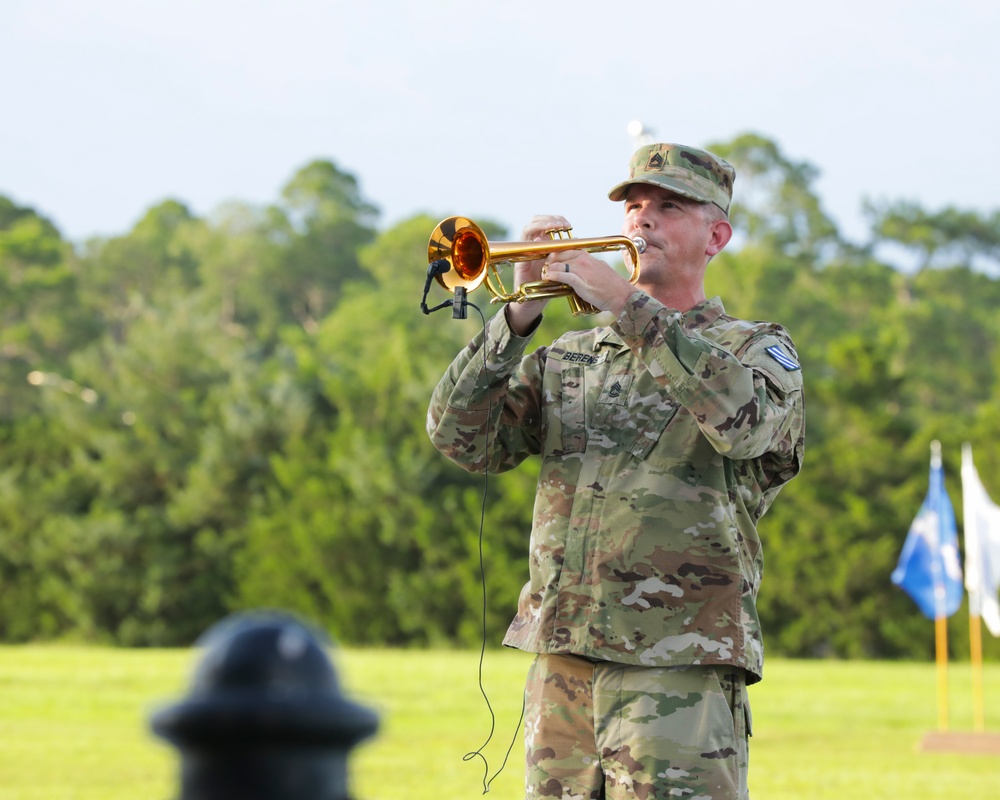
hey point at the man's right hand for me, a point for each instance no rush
(522, 316)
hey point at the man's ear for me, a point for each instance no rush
(721, 233)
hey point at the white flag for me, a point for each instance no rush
(982, 545)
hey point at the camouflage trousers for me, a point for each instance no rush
(604, 730)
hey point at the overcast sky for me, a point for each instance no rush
(495, 110)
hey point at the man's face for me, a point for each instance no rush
(681, 234)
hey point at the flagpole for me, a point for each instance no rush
(976, 647)
(940, 618)
(941, 647)
(977, 558)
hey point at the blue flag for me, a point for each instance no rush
(929, 569)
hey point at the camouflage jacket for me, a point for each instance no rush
(663, 440)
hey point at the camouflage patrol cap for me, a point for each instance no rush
(690, 172)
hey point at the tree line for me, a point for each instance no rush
(214, 413)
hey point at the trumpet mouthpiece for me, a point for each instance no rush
(640, 244)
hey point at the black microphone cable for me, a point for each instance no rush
(478, 753)
(459, 305)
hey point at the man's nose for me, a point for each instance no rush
(641, 218)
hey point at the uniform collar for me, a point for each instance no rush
(701, 316)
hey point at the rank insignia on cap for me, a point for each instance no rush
(782, 357)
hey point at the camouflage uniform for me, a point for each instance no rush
(663, 440)
(597, 729)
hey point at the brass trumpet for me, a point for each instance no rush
(473, 260)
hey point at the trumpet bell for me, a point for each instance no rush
(462, 243)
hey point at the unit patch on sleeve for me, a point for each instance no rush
(778, 354)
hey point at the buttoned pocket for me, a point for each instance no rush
(667, 435)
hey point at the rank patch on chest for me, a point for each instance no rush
(778, 354)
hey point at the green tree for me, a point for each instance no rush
(319, 227)
(159, 470)
(944, 238)
(952, 342)
(40, 318)
(776, 207)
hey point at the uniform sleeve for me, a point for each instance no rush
(491, 393)
(747, 400)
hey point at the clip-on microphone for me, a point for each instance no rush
(459, 303)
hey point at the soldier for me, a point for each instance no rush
(663, 439)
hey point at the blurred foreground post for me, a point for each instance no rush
(265, 718)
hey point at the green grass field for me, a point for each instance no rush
(74, 726)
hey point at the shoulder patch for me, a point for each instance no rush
(778, 354)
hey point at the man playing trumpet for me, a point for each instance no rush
(663, 439)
